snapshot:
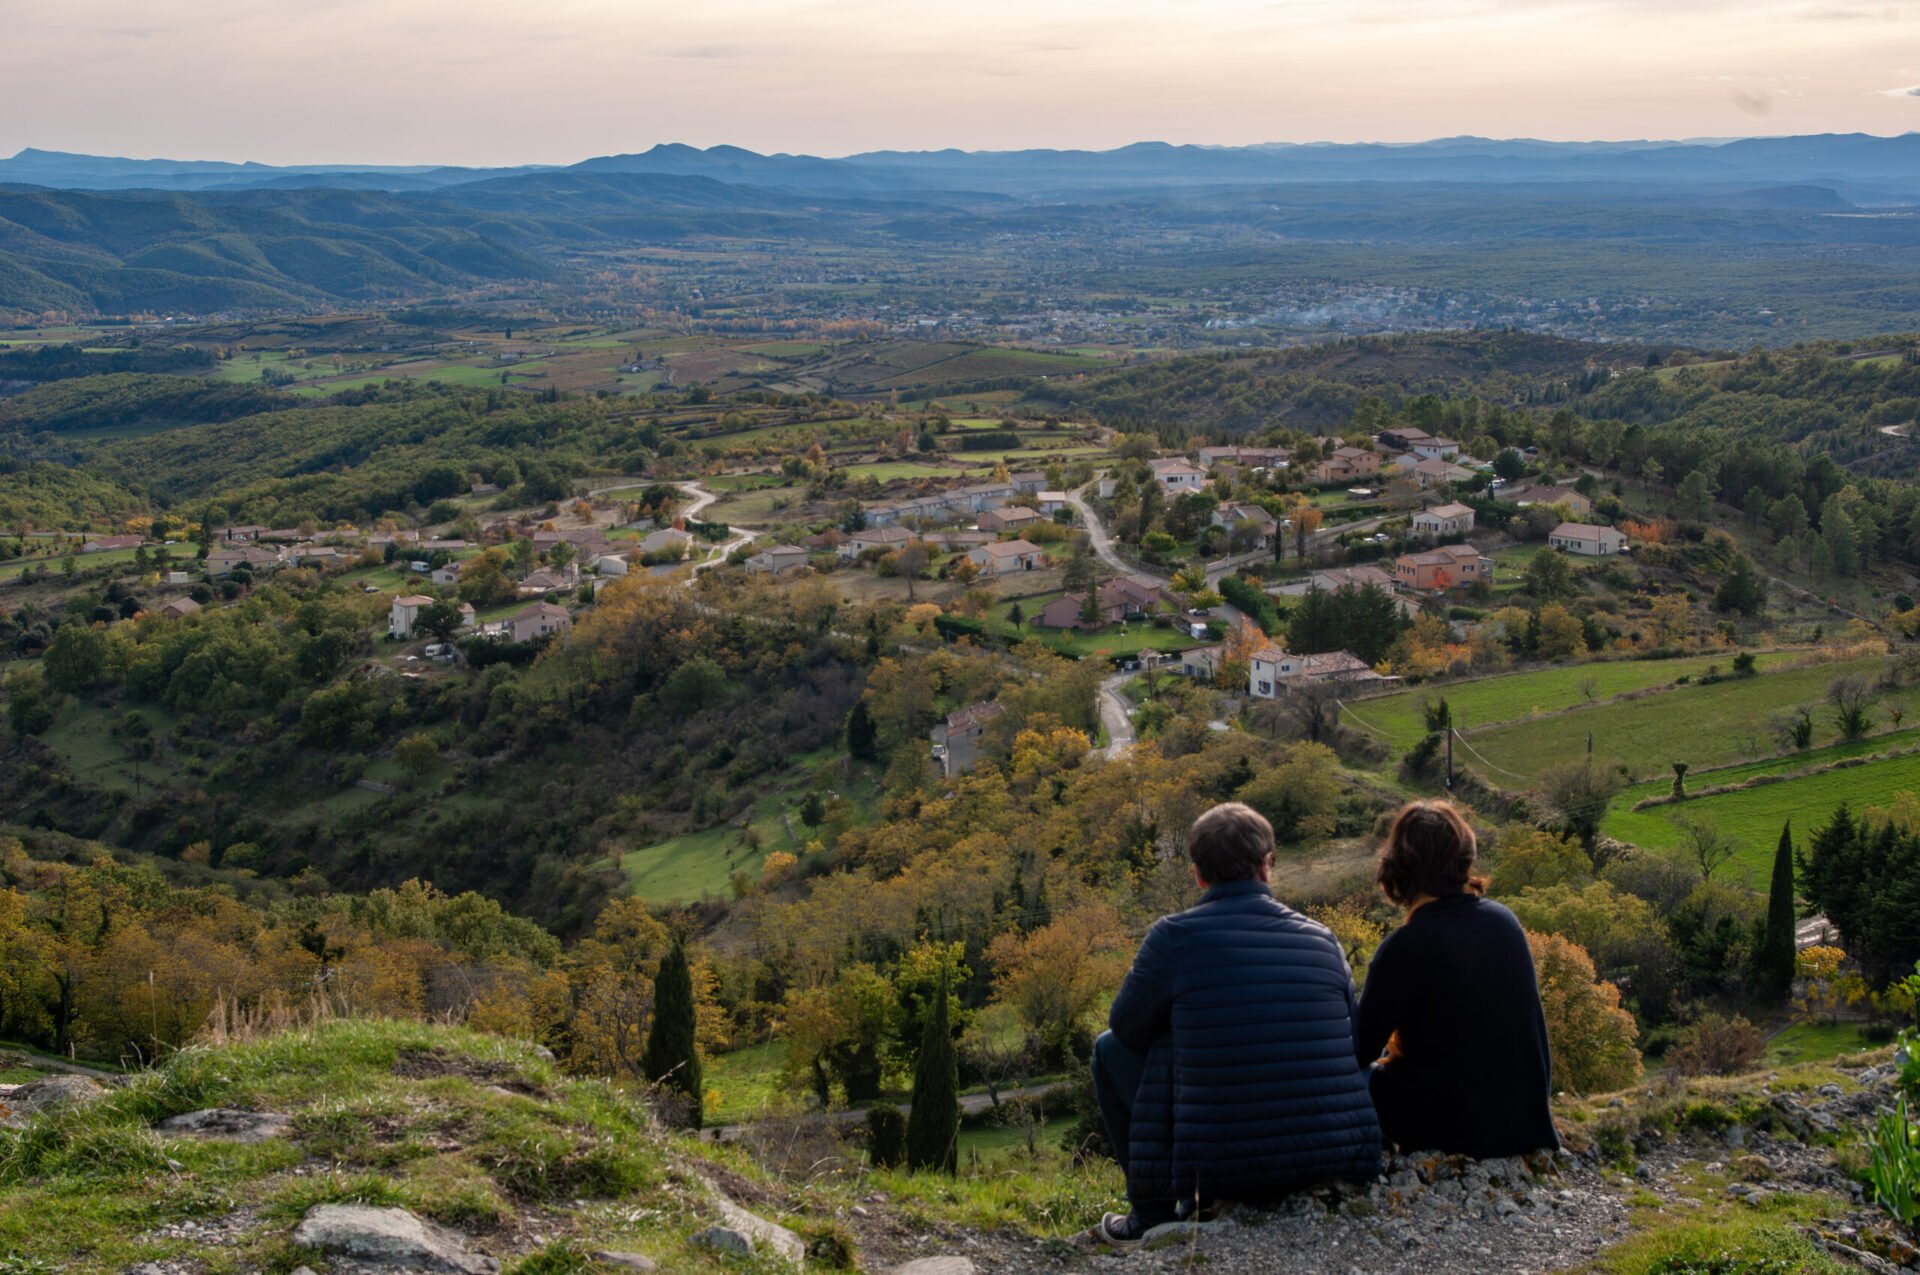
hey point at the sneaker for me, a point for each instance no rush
(1119, 1231)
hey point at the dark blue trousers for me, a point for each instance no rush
(1116, 1083)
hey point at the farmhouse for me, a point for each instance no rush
(1347, 464)
(104, 544)
(1232, 513)
(537, 621)
(449, 574)
(887, 538)
(956, 741)
(1174, 474)
(1245, 457)
(1441, 569)
(1443, 520)
(179, 609)
(1005, 556)
(1431, 473)
(1586, 540)
(1273, 670)
(1011, 518)
(222, 561)
(1401, 438)
(778, 560)
(404, 611)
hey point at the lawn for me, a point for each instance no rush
(1491, 700)
(1815, 1042)
(1753, 817)
(1701, 725)
(1129, 639)
(998, 1142)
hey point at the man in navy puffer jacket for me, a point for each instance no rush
(1228, 1070)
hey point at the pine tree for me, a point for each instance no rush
(672, 1058)
(1777, 950)
(933, 1124)
(862, 734)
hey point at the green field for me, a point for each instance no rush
(1753, 817)
(1700, 725)
(1491, 700)
(1129, 639)
(743, 1083)
(696, 865)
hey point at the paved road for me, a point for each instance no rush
(1115, 717)
(718, 555)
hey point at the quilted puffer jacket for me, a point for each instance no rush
(1244, 1010)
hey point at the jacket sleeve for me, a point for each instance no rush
(1143, 1011)
(1382, 1004)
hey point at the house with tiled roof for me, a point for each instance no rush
(1451, 519)
(1003, 557)
(1587, 541)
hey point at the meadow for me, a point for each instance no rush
(1753, 817)
(1702, 725)
(1487, 701)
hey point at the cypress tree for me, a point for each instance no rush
(671, 1057)
(933, 1124)
(862, 734)
(1777, 951)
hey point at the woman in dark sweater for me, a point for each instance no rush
(1450, 1017)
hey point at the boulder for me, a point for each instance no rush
(758, 1230)
(229, 1123)
(625, 1261)
(389, 1237)
(937, 1266)
(49, 1094)
(724, 1239)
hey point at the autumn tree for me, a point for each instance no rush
(1592, 1038)
(1055, 976)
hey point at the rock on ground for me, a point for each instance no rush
(937, 1266)
(229, 1123)
(389, 1237)
(625, 1261)
(50, 1094)
(757, 1230)
(724, 1239)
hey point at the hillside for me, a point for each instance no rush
(386, 1147)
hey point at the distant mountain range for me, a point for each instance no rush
(1861, 168)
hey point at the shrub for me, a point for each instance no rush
(1591, 1036)
(886, 1136)
(1717, 1046)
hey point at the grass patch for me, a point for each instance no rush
(1815, 1042)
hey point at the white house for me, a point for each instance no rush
(449, 574)
(1050, 502)
(537, 621)
(1435, 448)
(1004, 556)
(1587, 541)
(404, 611)
(1443, 520)
(666, 538)
(778, 560)
(887, 538)
(1274, 670)
(1176, 475)
(610, 564)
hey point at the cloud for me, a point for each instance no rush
(1912, 90)
(1759, 103)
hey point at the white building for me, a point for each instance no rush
(1443, 520)
(404, 612)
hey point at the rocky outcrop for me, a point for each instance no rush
(26, 1101)
(391, 1238)
(228, 1124)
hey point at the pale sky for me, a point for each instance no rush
(554, 81)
